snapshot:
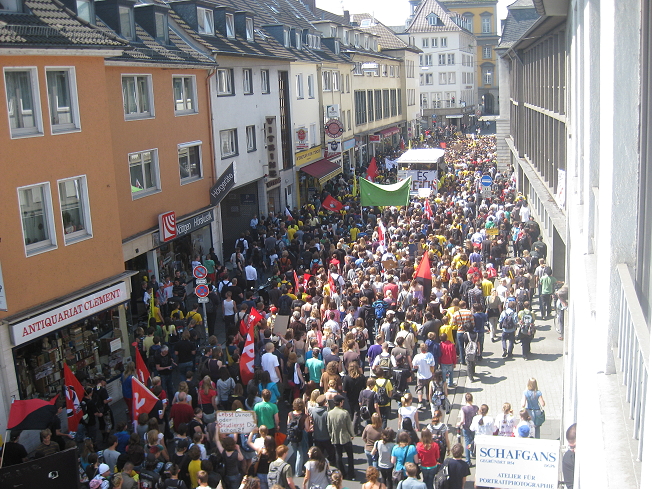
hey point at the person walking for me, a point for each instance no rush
(424, 362)
(527, 329)
(428, 452)
(383, 452)
(533, 401)
(458, 468)
(448, 358)
(467, 413)
(340, 428)
(316, 470)
(508, 322)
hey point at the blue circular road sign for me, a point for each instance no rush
(486, 180)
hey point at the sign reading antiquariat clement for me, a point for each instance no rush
(69, 313)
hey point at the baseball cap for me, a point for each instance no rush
(273, 310)
(338, 398)
(103, 468)
(391, 312)
(524, 431)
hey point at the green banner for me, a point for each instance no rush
(374, 194)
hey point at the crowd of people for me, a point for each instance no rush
(347, 328)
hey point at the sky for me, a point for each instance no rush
(389, 12)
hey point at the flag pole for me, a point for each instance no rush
(4, 448)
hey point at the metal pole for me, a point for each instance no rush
(205, 322)
(4, 448)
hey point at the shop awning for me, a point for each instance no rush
(323, 170)
(389, 131)
(456, 116)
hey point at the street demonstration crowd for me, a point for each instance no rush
(349, 320)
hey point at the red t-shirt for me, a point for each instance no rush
(448, 354)
(429, 458)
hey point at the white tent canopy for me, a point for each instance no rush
(421, 156)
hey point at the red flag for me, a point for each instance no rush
(428, 209)
(142, 371)
(331, 283)
(402, 145)
(247, 357)
(442, 145)
(306, 277)
(74, 395)
(252, 319)
(372, 170)
(144, 400)
(31, 414)
(332, 204)
(382, 232)
(424, 276)
(296, 281)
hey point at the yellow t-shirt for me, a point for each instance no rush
(387, 384)
(177, 310)
(447, 329)
(193, 469)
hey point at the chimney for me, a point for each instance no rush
(311, 5)
(347, 17)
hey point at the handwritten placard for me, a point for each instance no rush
(236, 421)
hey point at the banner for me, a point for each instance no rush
(144, 401)
(372, 194)
(247, 357)
(332, 204)
(506, 462)
(142, 371)
(74, 395)
(236, 421)
(372, 170)
(31, 414)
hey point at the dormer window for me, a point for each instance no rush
(230, 26)
(286, 38)
(346, 38)
(11, 5)
(297, 39)
(356, 40)
(205, 24)
(249, 26)
(366, 42)
(126, 22)
(433, 19)
(161, 20)
(333, 31)
(85, 10)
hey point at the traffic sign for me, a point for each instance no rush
(486, 192)
(201, 291)
(201, 281)
(202, 300)
(486, 180)
(199, 271)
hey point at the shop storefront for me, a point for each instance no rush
(88, 331)
(314, 176)
(237, 209)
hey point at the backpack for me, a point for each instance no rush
(240, 244)
(437, 394)
(274, 474)
(439, 437)
(380, 307)
(294, 430)
(471, 349)
(285, 305)
(527, 323)
(381, 392)
(393, 329)
(442, 479)
(401, 360)
(509, 322)
(385, 363)
(521, 297)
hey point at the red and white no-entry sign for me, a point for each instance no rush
(201, 291)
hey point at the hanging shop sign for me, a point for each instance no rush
(223, 185)
(167, 226)
(307, 156)
(69, 313)
(272, 150)
(301, 141)
(199, 221)
(3, 294)
(333, 111)
(374, 138)
(333, 148)
(333, 128)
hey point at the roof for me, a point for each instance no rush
(387, 38)
(51, 24)
(419, 22)
(321, 14)
(519, 20)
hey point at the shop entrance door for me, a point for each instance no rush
(238, 207)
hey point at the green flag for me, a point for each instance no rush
(374, 194)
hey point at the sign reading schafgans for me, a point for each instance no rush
(236, 421)
(516, 462)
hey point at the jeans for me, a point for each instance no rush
(493, 326)
(469, 436)
(447, 370)
(525, 345)
(299, 455)
(385, 412)
(546, 308)
(429, 476)
(233, 481)
(263, 481)
(508, 337)
(370, 460)
(185, 367)
(339, 452)
(481, 341)
(460, 344)
(166, 383)
(327, 449)
(387, 477)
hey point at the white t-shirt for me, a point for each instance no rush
(486, 428)
(423, 361)
(269, 361)
(408, 412)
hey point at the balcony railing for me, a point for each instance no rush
(633, 343)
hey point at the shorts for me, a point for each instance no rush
(248, 455)
(422, 384)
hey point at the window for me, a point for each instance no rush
(392, 71)
(62, 98)
(451, 58)
(264, 81)
(411, 95)
(326, 81)
(370, 105)
(185, 95)
(249, 27)
(467, 22)
(486, 25)
(311, 86)
(442, 59)
(357, 68)
(333, 32)
(23, 105)
(247, 81)
(251, 138)
(346, 38)
(348, 85)
(392, 103)
(360, 98)
(313, 134)
(205, 23)
(286, 38)
(433, 19)
(424, 100)
(429, 78)
(189, 162)
(436, 100)
(75, 210)
(378, 102)
(486, 52)
(137, 96)
(443, 42)
(143, 169)
(385, 104)
(366, 42)
(85, 11)
(348, 120)
(37, 219)
(126, 22)
(299, 79)
(225, 82)
(400, 102)
(336, 81)
(356, 40)
(449, 99)
(229, 142)
(434, 42)
(487, 77)
(424, 42)
(443, 78)
(451, 78)
(161, 21)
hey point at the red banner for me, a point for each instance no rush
(141, 368)
(248, 355)
(74, 396)
(372, 170)
(143, 400)
(332, 204)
